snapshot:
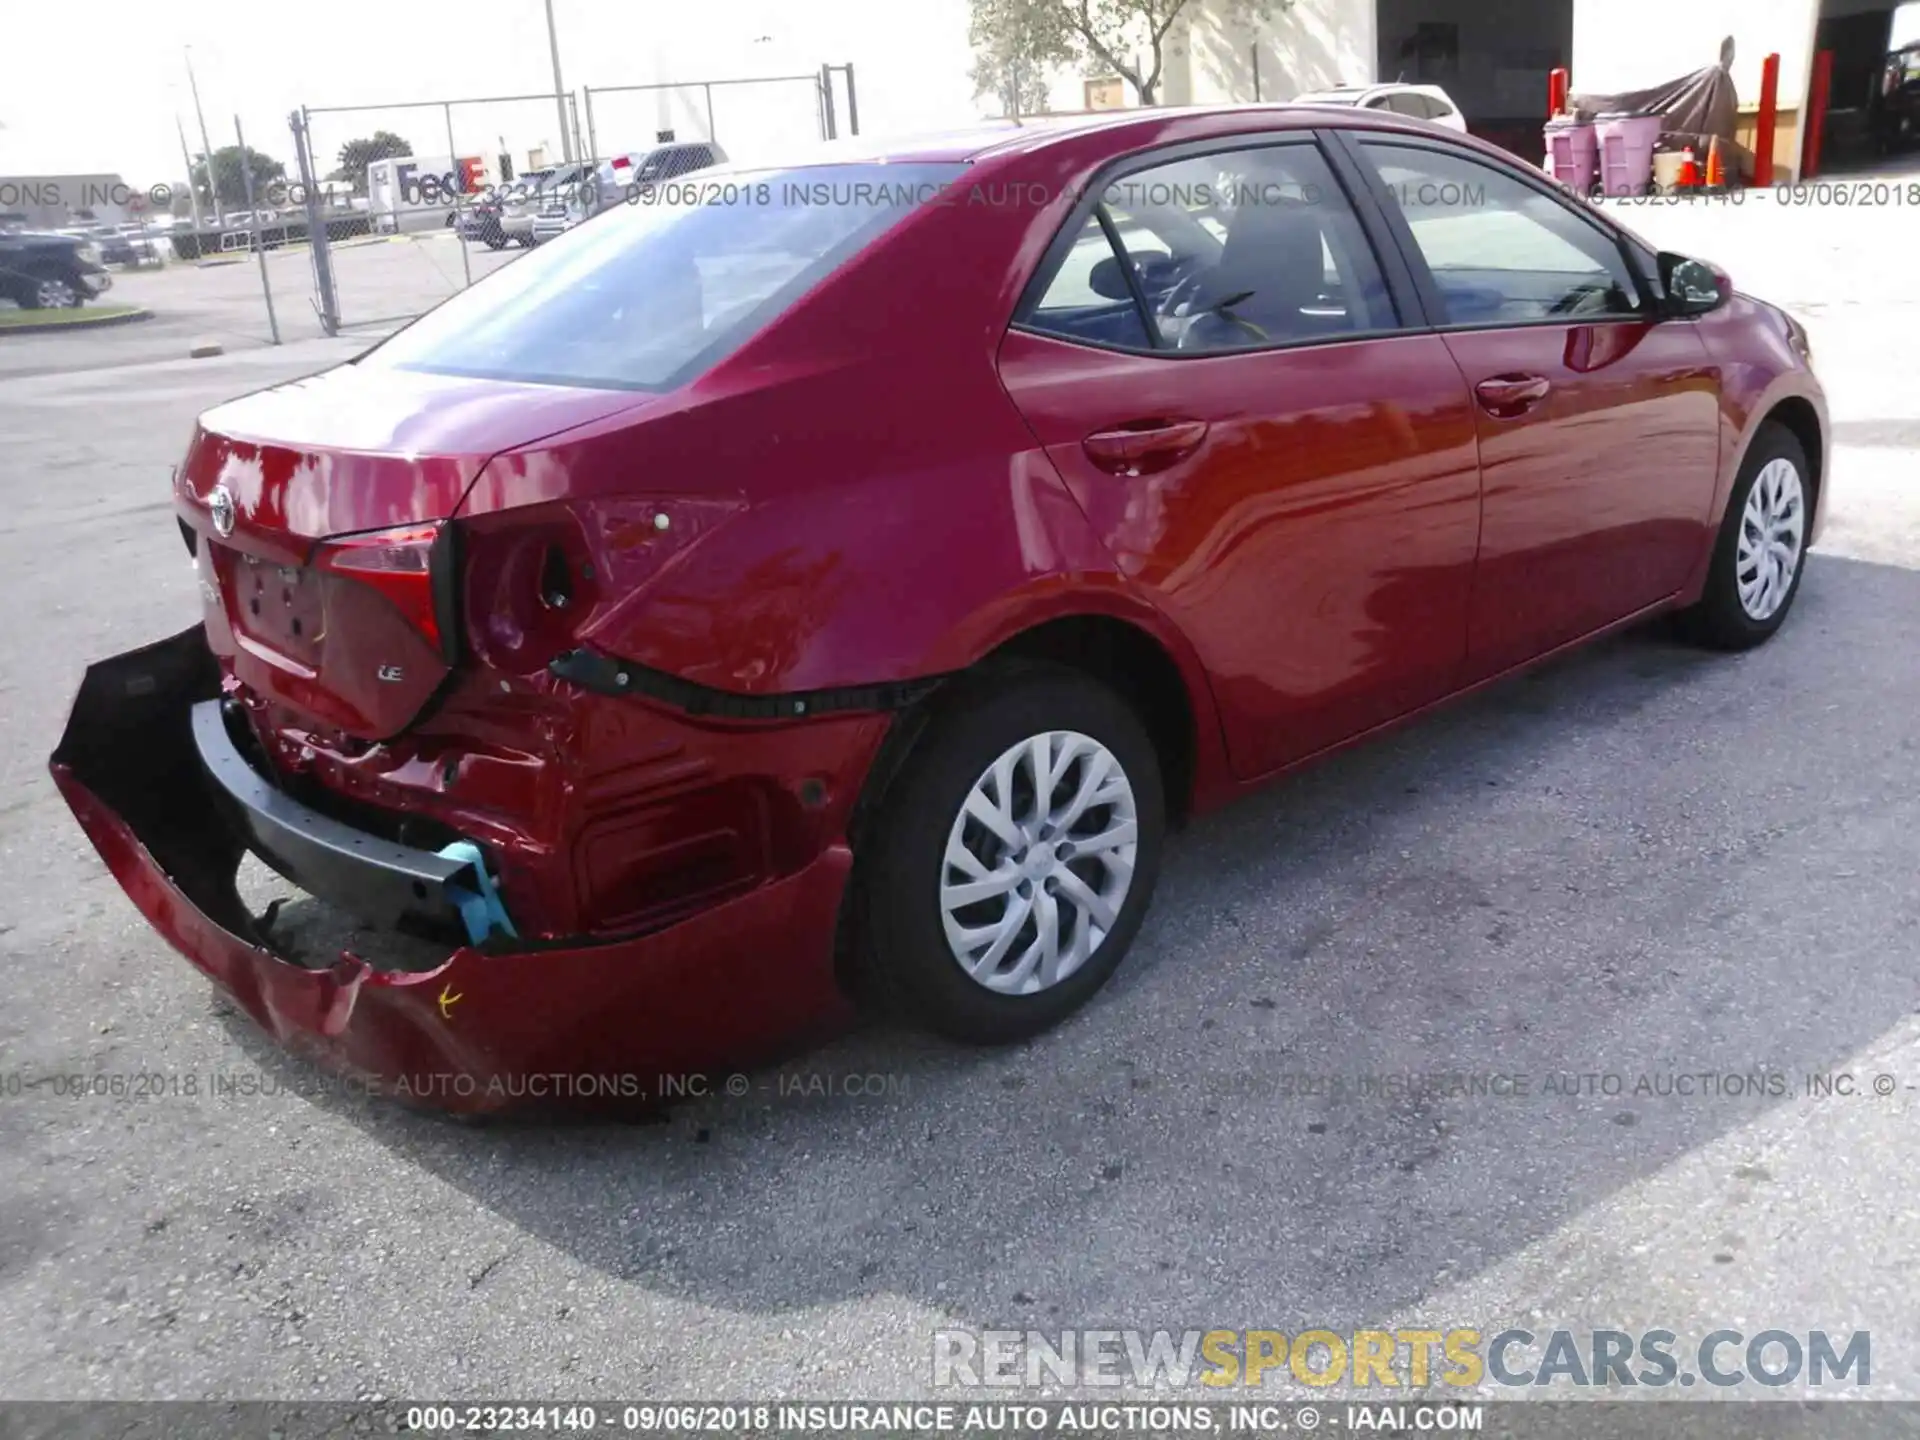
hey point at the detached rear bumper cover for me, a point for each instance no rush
(486, 1030)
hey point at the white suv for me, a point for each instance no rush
(1419, 102)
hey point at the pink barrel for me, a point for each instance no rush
(1626, 152)
(1573, 155)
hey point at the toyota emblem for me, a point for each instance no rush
(220, 508)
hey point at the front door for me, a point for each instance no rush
(1598, 419)
(1285, 469)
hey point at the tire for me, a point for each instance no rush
(905, 881)
(1724, 619)
(50, 288)
(495, 241)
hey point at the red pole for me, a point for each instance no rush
(1818, 93)
(1558, 83)
(1767, 122)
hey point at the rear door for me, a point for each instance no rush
(1260, 435)
(1598, 419)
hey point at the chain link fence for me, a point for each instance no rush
(386, 210)
(747, 118)
(417, 200)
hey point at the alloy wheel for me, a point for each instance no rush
(1772, 539)
(1039, 863)
(52, 293)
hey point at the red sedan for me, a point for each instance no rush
(829, 584)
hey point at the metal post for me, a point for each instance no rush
(1766, 124)
(246, 179)
(853, 103)
(826, 102)
(1814, 117)
(559, 87)
(1256, 74)
(453, 155)
(318, 249)
(193, 195)
(213, 190)
(593, 141)
(709, 90)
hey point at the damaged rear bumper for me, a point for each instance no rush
(504, 1025)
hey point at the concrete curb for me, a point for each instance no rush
(100, 322)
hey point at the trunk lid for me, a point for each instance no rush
(273, 477)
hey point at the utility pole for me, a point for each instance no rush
(193, 195)
(206, 145)
(559, 87)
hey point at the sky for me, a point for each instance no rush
(111, 105)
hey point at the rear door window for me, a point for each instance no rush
(646, 295)
(1242, 249)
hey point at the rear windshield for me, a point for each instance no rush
(648, 294)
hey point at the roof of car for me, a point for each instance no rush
(1002, 137)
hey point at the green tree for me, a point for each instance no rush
(1015, 44)
(1112, 35)
(357, 155)
(228, 190)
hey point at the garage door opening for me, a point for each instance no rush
(1492, 56)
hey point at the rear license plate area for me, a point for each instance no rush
(276, 606)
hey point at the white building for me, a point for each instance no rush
(1494, 56)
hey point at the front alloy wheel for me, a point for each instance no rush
(1773, 528)
(1012, 859)
(1039, 862)
(1760, 554)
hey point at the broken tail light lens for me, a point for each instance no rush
(411, 565)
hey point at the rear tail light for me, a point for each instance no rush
(412, 566)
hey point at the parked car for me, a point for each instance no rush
(479, 221)
(739, 611)
(524, 198)
(42, 271)
(1416, 102)
(623, 179)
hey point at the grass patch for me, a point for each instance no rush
(79, 315)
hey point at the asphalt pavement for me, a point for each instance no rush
(1643, 861)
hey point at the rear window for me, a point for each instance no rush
(647, 295)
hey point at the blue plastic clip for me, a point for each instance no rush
(481, 913)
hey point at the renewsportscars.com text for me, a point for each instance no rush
(1405, 1358)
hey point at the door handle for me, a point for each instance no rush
(1144, 447)
(1506, 396)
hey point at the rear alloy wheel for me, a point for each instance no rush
(1016, 858)
(1761, 554)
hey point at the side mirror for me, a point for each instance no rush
(1692, 287)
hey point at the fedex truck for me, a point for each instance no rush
(419, 192)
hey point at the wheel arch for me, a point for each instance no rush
(1793, 401)
(1797, 414)
(1139, 656)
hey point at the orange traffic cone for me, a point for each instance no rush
(1716, 166)
(1689, 171)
